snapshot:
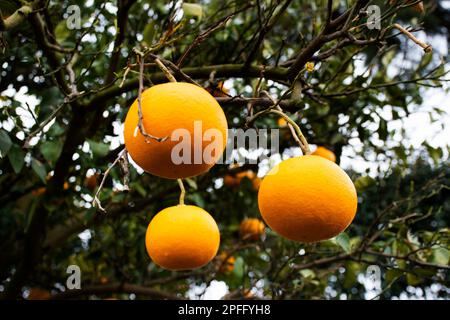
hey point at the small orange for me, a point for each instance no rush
(91, 181)
(281, 122)
(325, 153)
(230, 181)
(39, 191)
(39, 294)
(182, 237)
(191, 119)
(234, 181)
(256, 183)
(66, 185)
(228, 265)
(251, 229)
(307, 199)
(219, 90)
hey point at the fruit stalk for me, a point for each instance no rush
(183, 191)
(303, 142)
(166, 71)
(141, 128)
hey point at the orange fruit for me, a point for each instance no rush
(228, 265)
(91, 181)
(38, 192)
(219, 90)
(251, 229)
(66, 185)
(281, 122)
(174, 110)
(230, 181)
(256, 183)
(39, 294)
(325, 153)
(182, 238)
(235, 180)
(307, 199)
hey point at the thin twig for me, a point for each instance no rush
(426, 47)
(166, 71)
(125, 168)
(141, 127)
(42, 125)
(96, 202)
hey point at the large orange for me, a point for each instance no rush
(307, 199)
(166, 108)
(325, 153)
(182, 238)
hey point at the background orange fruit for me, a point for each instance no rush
(233, 181)
(39, 294)
(91, 181)
(168, 107)
(307, 199)
(219, 90)
(325, 153)
(182, 237)
(228, 265)
(251, 229)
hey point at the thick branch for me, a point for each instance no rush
(115, 288)
(16, 18)
(225, 70)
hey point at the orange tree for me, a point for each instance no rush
(71, 69)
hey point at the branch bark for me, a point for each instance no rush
(115, 288)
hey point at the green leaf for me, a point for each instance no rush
(192, 183)
(39, 169)
(139, 188)
(363, 183)
(413, 280)
(308, 273)
(51, 150)
(193, 9)
(99, 149)
(392, 274)
(16, 158)
(197, 199)
(435, 153)
(5, 143)
(149, 33)
(238, 270)
(441, 256)
(383, 130)
(343, 241)
(55, 130)
(61, 31)
(352, 270)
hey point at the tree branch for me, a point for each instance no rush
(115, 288)
(225, 71)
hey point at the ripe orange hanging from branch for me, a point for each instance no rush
(182, 238)
(307, 199)
(187, 115)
